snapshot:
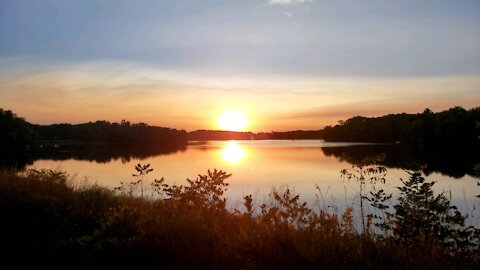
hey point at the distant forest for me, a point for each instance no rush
(454, 125)
(15, 132)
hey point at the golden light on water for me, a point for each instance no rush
(233, 120)
(232, 152)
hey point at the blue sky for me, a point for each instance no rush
(332, 58)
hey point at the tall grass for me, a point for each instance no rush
(47, 219)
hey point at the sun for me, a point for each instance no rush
(233, 120)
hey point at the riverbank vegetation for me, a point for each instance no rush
(49, 219)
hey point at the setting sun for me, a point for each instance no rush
(233, 120)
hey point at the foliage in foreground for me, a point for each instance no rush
(48, 219)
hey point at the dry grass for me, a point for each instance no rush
(48, 220)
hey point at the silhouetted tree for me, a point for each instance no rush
(15, 132)
(454, 125)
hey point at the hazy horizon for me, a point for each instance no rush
(286, 64)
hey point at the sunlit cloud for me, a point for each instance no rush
(289, 2)
(115, 90)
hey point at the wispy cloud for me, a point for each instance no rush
(289, 2)
(288, 14)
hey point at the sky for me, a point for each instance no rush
(287, 64)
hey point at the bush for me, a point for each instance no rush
(48, 220)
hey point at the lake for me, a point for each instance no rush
(258, 166)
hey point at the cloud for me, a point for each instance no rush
(288, 14)
(78, 92)
(289, 2)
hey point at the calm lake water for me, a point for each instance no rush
(257, 166)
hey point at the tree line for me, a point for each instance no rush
(455, 125)
(429, 128)
(205, 135)
(117, 133)
(15, 132)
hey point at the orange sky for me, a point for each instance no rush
(286, 64)
(116, 91)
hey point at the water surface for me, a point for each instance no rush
(257, 166)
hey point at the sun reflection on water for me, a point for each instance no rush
(232, 152)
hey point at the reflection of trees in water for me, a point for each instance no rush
(455, 161)
(92, 153)
(451, 161)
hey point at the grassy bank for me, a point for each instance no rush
(48, 219)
